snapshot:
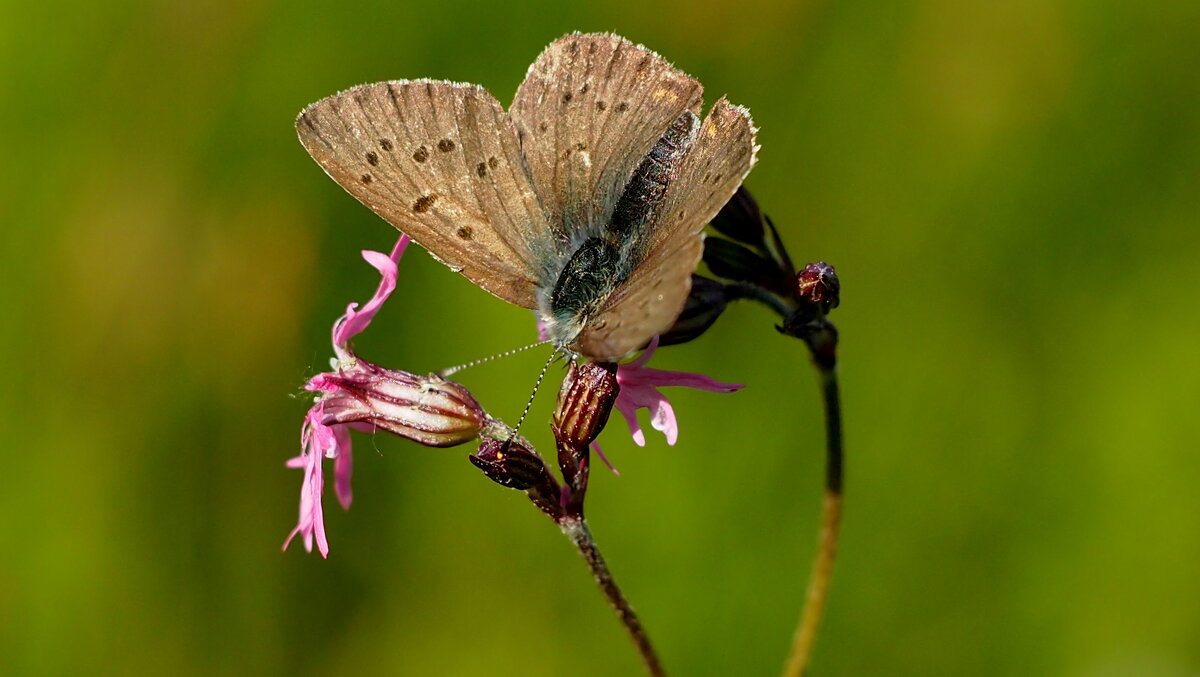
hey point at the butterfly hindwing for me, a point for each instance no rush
(590, 109)
(440, 161)
(649, 299)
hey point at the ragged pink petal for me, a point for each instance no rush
(629, 412)
(318, 442)
(639, 390)
(600, 452)
(355, 320)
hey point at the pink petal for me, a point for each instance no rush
(355, 321)
(629, 411)
(662, 419)
(639, 389)
(646, 354)
(599, 452)
(316, 439)
(660, 377)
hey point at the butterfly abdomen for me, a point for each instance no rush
(646, 187)
(599, 264)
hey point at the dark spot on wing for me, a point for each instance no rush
(445, 145)
(493, 162)
(641, 67)
(622, 107)
(372, 158)
(600, 105)
(385, 144)
(365, 178)
(574, 47)
(421, 154)
(424, 202)
(542, 127)
(465, 233)
(584, 88)
(567, 97)
(581, 146)
(481, 169)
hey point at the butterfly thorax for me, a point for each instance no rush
(586, 280)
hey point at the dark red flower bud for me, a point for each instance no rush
(584, 402)
(818, 286)
(510, 464)
(816, 292)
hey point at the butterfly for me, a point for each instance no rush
(585, 201)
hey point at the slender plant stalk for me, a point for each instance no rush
(831, 513)
(577, 530)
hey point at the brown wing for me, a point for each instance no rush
(589, 110)
(648, 302)
(441, 162)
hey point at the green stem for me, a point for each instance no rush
(822, 345)
(740, 290)
(576, 529)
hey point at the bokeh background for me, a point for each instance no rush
(1010, 192)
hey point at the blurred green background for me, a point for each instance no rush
(1010, 192)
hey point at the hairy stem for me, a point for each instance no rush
(831, 513)
(577, 530)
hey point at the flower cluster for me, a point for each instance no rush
(359, 395)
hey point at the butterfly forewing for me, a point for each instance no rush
(648, 301)
(441, 162)
(588, 112)
(647, 304)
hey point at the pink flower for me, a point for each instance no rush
(639, 389)
(363, 396)
(319, 441)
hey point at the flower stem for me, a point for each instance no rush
(741, 290)
(831, 509)
(576, 529)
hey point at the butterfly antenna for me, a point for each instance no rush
(536, 386)
(454, 370)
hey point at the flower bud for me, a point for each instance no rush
(818, 286)
(428, 410)
(740, 219)
(584, 403)
(510, 464)
(705, 303)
